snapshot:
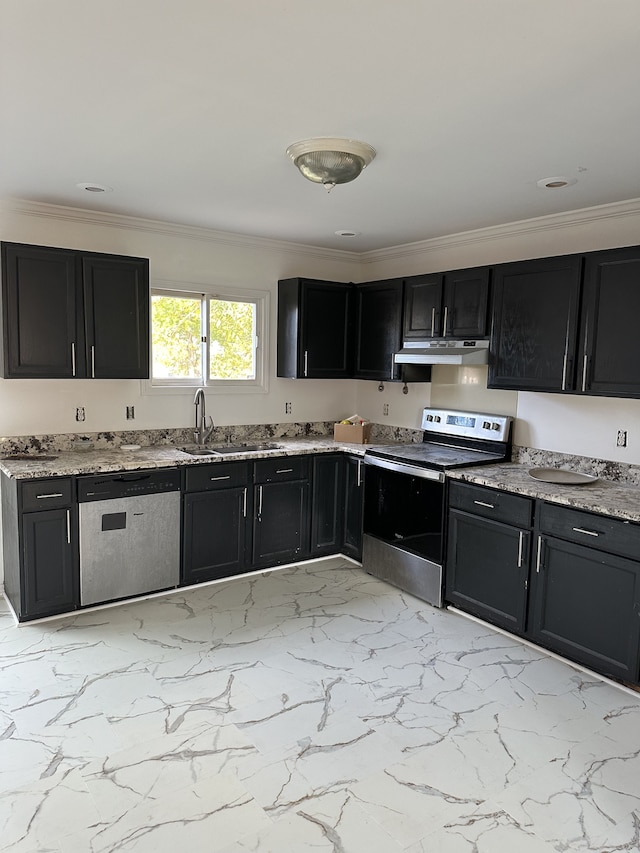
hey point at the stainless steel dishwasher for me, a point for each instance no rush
(129, 534)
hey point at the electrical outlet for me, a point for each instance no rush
(131, 413)
(621, 439)
(79, 413)
(385, 408)
(288, 408)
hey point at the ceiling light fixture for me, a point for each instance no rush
(330, 161)
(556, 183)
(94, 188)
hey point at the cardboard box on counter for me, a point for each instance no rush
(352, 433)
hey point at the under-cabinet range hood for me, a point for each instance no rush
(443, 352)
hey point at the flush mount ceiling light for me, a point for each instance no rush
(556, 183)
(330, 161)
(94, 188)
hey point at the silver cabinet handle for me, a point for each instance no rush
(433, 322)
(306, 362)
(73, 359)
(259, 503)
(444, 321)
(520, 544)
(564, 371)
(539, 556)
(359, 483)
(68, 527)
(93, 362)
(244, 503)
(584, 372)
(228, 477)
(482, 503)
(586, 532)
(51, 495)
(284, 471)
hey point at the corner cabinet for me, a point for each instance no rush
(39, 524)
(314, 329)
(69, 314)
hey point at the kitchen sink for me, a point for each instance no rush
(221, 450)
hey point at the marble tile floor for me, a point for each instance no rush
(308, 709)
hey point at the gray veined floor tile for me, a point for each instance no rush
(313, 708)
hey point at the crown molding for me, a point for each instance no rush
(83, 216)
(568, 219)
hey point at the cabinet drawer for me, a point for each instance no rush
(282, 468)
(489, 503)
(45, 494)
(595, 531)
(203, 478)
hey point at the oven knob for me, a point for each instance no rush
(495, 426)
(437, 418)
(429, 417)
(486, 425)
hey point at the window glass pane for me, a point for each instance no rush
(232, 329)
(176, 337)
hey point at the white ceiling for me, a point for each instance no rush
(186, 108)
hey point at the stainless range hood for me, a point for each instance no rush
(443, 352)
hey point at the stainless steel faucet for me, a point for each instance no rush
(202, 431)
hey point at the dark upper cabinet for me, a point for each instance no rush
(378, 329)
(73, 314)
(608, 355)
(422, 307)
(535, 323)
(450, 305)
(116, 315)
(315, 338)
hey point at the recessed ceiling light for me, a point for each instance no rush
(556, 183)
(347, 233)
(95, 188)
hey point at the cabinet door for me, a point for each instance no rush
(487, 569)
(586, 606)
(533, 336)
(50, 583)
(327, 505)
(281, 522)
(39, 316)
(215, 530)
(609, 353)
(353, 507)
(466, 303)
(422, 307)
(116, 294)
(379, 329)
(326, 341)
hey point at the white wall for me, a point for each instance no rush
(563, 423)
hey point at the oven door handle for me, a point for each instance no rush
(403, 468)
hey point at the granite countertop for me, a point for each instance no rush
(605, 497)
(104, 461)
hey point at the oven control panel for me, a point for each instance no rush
(466, 424)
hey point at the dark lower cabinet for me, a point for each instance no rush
(215, 535)
(281, 522)
(40, 546)
(586, 606)
(327, 501)
(353, 506)
(487, 569)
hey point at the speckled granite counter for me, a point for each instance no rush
(104, 461)
(619, 500)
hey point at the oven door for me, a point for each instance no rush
(403, 527)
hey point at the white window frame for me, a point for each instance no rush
(258, 385)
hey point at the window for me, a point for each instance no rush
(208, 339)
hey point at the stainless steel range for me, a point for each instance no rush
(404, 504)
